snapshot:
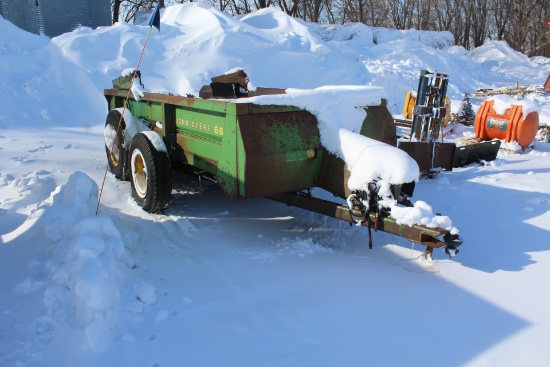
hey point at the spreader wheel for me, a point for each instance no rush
(115, 146)
(150, 174)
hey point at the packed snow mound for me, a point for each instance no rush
(499, 57)
(208, 22)
(439, 40)
(203, 22)
(356, 34)
(197, 42)
(541, 60)
(31, 90)
(422, 213)
(283, 27)
(81, 264)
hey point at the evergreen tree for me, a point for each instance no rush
(467, 112)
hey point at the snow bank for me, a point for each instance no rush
(31, 91)
(283, 27)
(14, 40)
(439, 40)
(350, 34)
(541, 60)
(499, 57)
(84, 258)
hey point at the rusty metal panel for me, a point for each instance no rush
(487, 151)
(334, 175)
(206, 92)
(282, 152)
(379, 125)
(257, 109)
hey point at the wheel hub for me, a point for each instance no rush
(139, 173)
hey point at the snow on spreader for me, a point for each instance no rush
(274, 143)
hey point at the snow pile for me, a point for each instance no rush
(512, 146)
(440, 40)
(369, 160)
(279, 27)
(422, 213)
(31, 91)
(540, 60)
(198, 42)
(500, 58)
(84, 258)
(19, 40)
(345, 35)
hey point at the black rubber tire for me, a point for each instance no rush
(150, 174)
(119, 156)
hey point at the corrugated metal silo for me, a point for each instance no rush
(22, 13)
(60, 16)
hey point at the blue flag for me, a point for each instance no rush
(155, 18)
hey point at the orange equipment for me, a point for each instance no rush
(410, 102)
(512, 126)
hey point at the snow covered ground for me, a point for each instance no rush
(213, 282)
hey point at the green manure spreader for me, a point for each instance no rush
(250, 150)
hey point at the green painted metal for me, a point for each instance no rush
(228, 162)
(123, 82)
(252, 150)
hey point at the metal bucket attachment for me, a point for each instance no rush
(430, 156)
(476, 152)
